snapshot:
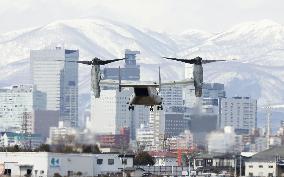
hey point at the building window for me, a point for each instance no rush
(250, 174)
(110, 161)
(41, 172)
(270, 166)
(270, 174)
(260, 166)
(99, 161)
(124, 161)
(250, 166)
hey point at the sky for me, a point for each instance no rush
(172, 16)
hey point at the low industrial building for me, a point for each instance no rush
(266, 163)
(23, 140)
(48, 164)
(215, 162)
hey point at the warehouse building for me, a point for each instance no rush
(47, 164)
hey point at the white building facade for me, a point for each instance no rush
(16, 109)
(47, 164)
(111, 110)
(238, 112)
(62, 134)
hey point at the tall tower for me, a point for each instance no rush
(55, 77)
(130, 71)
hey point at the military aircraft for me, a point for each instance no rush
(145, 93)
(197, 71)
(96, 72)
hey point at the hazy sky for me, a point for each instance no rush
(162, 15)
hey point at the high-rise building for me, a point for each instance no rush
(172, 95)
(111, 111)
(130, 71)
(209, 91)
(157, 124)
(238, 112)
(55, 76)
(16, 105)
(175, 124)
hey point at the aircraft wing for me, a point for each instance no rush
(82, 62)
(133, 84)
(211, 61)
(190, 61)
(139, 85)
(180, 82)
(103, 62)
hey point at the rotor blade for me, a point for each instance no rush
(85, 62)
(211, 61)
(190, 61)
(103, 62)
(82, 62)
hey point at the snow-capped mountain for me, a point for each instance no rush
(257, 46)
(258, 70)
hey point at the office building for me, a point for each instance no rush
(16, 105)
(111, 111)
(130, 71)
(175, 124)
(62, 134)
(212, 91)
(172, 95)
(55, 76)
(145, 137)
(238, 112)
(157, 124)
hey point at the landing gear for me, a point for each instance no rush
(160, 107)
(131, 107)
(151, 108)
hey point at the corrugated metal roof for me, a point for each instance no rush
(269, 155)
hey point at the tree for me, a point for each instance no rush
(79, 173)
(143, 158)
(57, 175)
(91, 149)
(43, 148)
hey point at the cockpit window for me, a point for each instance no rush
(141, 91)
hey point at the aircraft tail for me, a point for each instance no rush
(119, 79)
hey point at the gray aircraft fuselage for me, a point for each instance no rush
(95, 80)
(198, 79)
(147, 96)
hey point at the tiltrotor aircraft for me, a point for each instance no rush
(197, 71)
(145, 93)
(96, 72)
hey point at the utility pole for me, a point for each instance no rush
(240, 165)
(235, 164)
